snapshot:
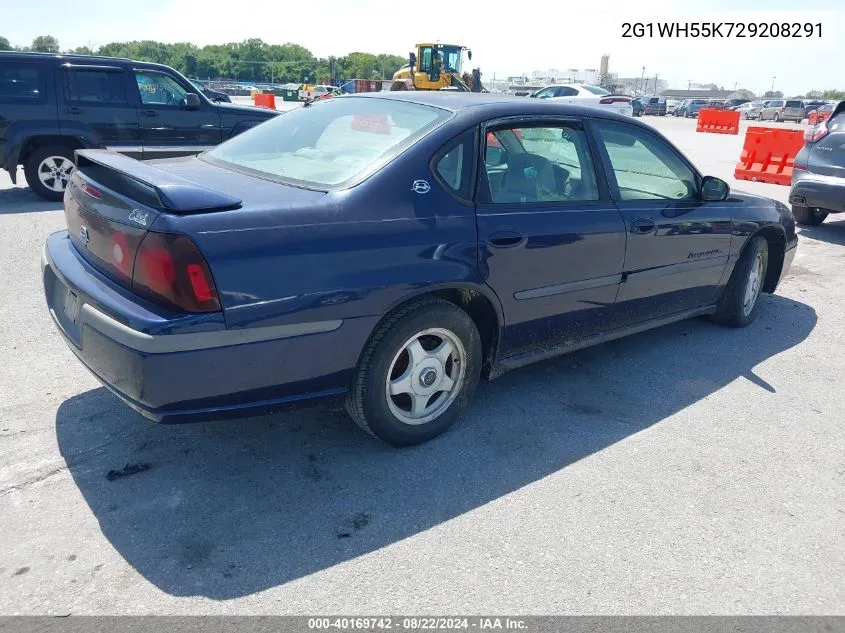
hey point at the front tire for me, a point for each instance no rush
(416, 374)
(48, 169)
(808, 216)
(740, 300)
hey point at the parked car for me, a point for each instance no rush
(350, 251)
(732, 104)
(716, 104)
(818, 176)
(586, 95)
(682, 108)
(656, 106)
(637, 106)
(51, 105)
(783, 110)
(691, 111)
(821, 114)
(211, 95)
(750, 109)
(671, 105)
(809, 106)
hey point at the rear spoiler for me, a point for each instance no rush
(174, 194)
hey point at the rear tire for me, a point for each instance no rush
(740, 300)
(395, 395)
(808, 216)
(48, 169)
(776, 117)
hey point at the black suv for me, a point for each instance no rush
(51, 105)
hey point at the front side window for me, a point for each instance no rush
(645, 167)
(539, 164)
(331, 144)
(425, 59)
(22, 83)
(546, 93)
(94, 86)
(159, 89)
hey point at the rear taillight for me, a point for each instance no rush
(170, 270)
(608, 100)
(815, 133)
(91, 191)
(783, 108)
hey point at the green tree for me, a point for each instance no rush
(45, 44)
(777, 94)
(83, 50)
(834, 94)
(4, 45)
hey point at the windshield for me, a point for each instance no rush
(196, 84)
(699, 102)
(331, 144)
(596, 90)
(451, 57)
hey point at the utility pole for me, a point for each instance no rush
(689, 84)
(736, 83)
(642, 79)
(773, 83)
(655, 83)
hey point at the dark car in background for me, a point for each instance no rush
(388, 250)
(52, 105)
(211, 95)
(655, 105)
(732, 104)
(818, 176)
(692, 108)
(809, 106)
(716, 104)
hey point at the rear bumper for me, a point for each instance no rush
(814, 190)
(191, 376)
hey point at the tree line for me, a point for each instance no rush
(250, 60)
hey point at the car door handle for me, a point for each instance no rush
(73, 110)
(505, 239)
(642, 226)
(148, 113)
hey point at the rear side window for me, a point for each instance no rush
(94, 86)
(22, 83)
(454, 165)
(566, 91)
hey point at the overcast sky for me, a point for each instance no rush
(506, 37)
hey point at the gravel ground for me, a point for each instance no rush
(692, 469)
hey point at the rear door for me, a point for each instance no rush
(95, 105)
(551, 243)
(827, 155)
(168, 127)
(678, 244)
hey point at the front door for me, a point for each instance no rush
(96, 106)
(678, 244)
(168, 127)
(551, 243)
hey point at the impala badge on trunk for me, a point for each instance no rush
(84, 233)
(138, 216)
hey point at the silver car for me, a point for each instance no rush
(783, 110)
(750, 110)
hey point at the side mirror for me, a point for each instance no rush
(192, 101)
(495, 156)
(714, 189)
(469, 54)
(412, 58)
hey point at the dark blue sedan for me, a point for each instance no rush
(388, 251)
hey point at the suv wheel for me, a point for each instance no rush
(776, 117)
(48, 171)
(809, 216)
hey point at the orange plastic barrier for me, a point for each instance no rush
(265, 100)
(768, 155)
(718, 121)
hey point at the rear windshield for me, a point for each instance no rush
(331, 144)
(700, 101)
(654, 100)
(596, 90)
(794, 104)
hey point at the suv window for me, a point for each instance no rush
(794, 104)
(159, 89)
(541, 164)
(22, 83)
(92, 86)
(644, 166)
(454, 165)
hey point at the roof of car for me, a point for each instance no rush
(490, 104)
(77, 59)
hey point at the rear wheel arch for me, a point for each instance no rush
(483, 309)
(33, 143)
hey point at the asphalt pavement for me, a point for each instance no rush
(692, 469)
